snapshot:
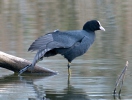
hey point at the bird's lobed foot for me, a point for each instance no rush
(24, 69)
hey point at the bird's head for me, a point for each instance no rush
(93, 25)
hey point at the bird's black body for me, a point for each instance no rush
(76, 44)
(70, 44)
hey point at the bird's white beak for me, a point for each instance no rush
(101, 28)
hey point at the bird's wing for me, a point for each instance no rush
(54, 40)
(50, 41)
(42, 51)
(41, 42)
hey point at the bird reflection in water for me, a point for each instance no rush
(69, 93)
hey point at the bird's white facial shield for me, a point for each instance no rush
(101, 27)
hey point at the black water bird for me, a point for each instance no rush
(69, 44)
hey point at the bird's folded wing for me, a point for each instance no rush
(42, 51)
(41, 42)
(53, 40)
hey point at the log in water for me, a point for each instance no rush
(15, 64)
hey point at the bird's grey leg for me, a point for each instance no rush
(30, 66)
(69, 70)
(24, 69)
(41, 58)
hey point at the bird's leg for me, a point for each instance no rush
(41, 58)
(24, 69)
(69, 70)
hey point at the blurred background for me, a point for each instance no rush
(93, 74)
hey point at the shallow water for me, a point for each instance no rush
(93, 74)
